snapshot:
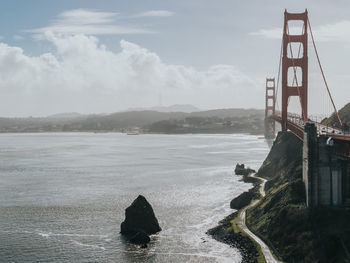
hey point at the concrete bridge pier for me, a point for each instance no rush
(270, 133)
(326, 174)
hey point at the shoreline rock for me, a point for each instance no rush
(246, 246)
(140, 238)
(253, 193)
(242, 170)
(140, 222)
(224, 233)
(242, 200)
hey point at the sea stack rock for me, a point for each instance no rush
(139, 222)
(241, 170)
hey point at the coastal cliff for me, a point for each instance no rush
(294, 232)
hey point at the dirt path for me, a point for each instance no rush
(242, 225)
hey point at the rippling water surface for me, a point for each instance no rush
(63, 196)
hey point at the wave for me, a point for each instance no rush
(49, 234)
(88, 245)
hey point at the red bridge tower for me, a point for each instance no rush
(270, 105)
(296, 88)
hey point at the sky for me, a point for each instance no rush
(104, 56)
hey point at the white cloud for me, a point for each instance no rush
(333, 32)
(86, 77)
(156, 13)
(84, 16)
(90, 22)
(330, 32)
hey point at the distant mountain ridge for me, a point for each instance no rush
(66, 115)
(187, 108)
(211, 121)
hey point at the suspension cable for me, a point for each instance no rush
(279, 73)
(324, 78)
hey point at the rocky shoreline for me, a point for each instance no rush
(225, 231)
(244, 244)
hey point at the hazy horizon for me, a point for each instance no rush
(151, 108)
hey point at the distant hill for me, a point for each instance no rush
(212, 121)
(66, 115)
(226, 113)
(173, 108)
(344, 114)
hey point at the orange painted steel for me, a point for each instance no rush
(296, 126)
(301, 89)
(270, 106)
(292, 122)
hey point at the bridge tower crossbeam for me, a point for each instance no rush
(296, 89)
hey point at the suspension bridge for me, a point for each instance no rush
(326, 150)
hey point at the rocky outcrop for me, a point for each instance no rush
(140, 221)
(253, 193)
(242, 200)
(140, 238)
(242, 170)
(223, 233)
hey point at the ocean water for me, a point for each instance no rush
(63, 195)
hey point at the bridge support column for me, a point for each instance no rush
(270, 105)
(324, 171)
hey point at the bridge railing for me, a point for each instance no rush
(322, 129)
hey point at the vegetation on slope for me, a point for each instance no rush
(207, 125)
(295, 232)
(344, 115)
(284, 161)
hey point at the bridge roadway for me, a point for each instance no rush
(296, 125)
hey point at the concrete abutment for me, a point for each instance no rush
(326, 174)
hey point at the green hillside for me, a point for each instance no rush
(344, 114)
(295, 232)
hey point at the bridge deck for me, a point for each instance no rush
(296, 125)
